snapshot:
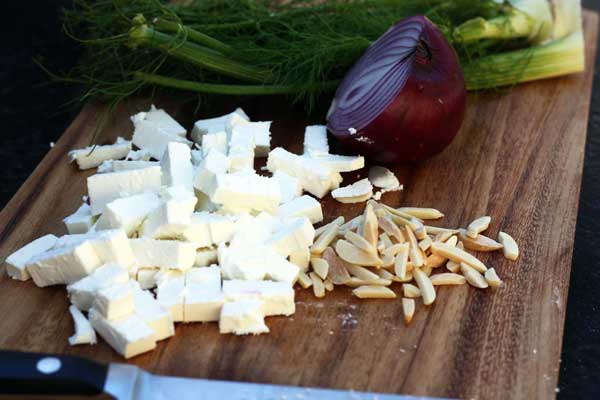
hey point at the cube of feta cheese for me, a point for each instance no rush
(152, 313)
(17, 262)
(296, 235)
(314, 176)
(205, 257)
(246, 263)
(112, 246)
(153, 139)
(124, 165)
(115, 301)
(288, 185)
(129, 212)
(277, 297)
(168, 254)
(82, 292)
(214, 163)
(301, 259)
(80, 221)
(338, 163)
(170, 294)
(207, 276)
(63, 265)
(243, 317)
(104, 188)
(315, 140)
(93, 156)
(176, 164)
(245, 192)
(84, 333)
(240, 159)
(161, 119)
(258, 132)
(215, 141)
(170, 219)
(304, 206)
(129, 336)
(212, 125)
(281, 270)
(357, 192)
(207, 229)
(203, 296)
(146, 277)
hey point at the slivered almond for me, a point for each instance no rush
(426, 270)
(373, 292)
(325, 239)
(492, 278)
(370, 229)
(361, 272)
(320, 266)
(434, 230)
(436, 261)
(452, 266)
(353, 255)
(478, 225)
(337, 267)
(386, 240)
(338, 221)
(360, 242)
(304, 280)
(453, 241)
(459, 245)
(401, 261)
(328, 284)
(355, 282)
(393, 249)
(421, 231)
(387, 261)
(411, 291)
(473, 276)
(414, 253)
(408, 308)
(390, 228)
(396, 212)
(446, 278)
(352, 224)
(480, 243)
(422, 213)
(385, 274)
(409, 278)
(510, 247)
(425, 286)
(317, 284)
(425, 244)
(442, 236)
(458, 255)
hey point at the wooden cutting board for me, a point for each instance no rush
(518, 158)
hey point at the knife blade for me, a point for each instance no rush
(34, 373)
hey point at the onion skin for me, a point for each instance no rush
(424, 116)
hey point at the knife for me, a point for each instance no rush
(51, 374)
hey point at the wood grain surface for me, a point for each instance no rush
(518, 158)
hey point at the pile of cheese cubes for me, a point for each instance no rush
(178, 230)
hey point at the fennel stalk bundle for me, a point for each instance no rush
(303, 48)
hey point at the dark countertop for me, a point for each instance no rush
(32, 117)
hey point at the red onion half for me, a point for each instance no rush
(404, 99)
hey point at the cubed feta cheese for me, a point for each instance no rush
(170, 294)
(212, 125)
(207, 276)
(63, 265)
(170, 219)
(83, 291)
(129, 336)
(112, 246)
(93, 156)
(277, 297)
(207, 229)
(296, 235)
(258, 132)
(357, 192)
(146, 277)
(176, 164)
(80, 221)
(245, 192)
(338, 163)
(84, 333)
(123, 165)
(214, 164)
(246, 263)
(115, 301)
(288, 185)
(153, 139)
(161, 119)
(281, 270)
(152, 313)
(129, 212)
(214, 141)
(104, 188)
(243, 317)
(169, 254)
(315, 140)
(304, 206)
(17, 262)
(203, 296)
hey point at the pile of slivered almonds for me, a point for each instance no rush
(385, 245)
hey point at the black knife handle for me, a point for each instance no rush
(49, 374)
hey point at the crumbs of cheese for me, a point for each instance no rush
(84, 333)
(93, 156)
